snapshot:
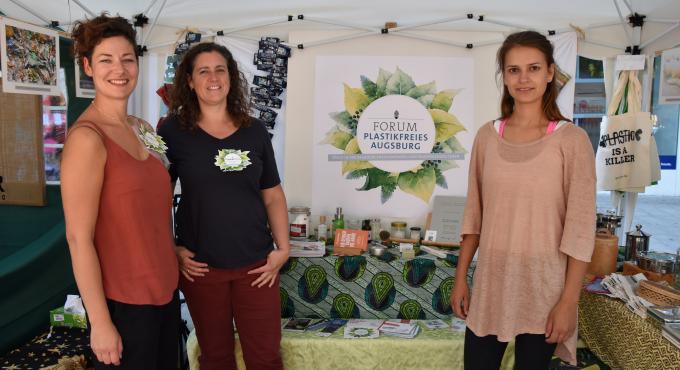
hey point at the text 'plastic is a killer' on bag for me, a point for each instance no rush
(627, 158)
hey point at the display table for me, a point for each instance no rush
(431, 349)
(622, 339)
(366, 287)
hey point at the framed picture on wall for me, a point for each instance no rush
(669, 80)
(30, 58)
(84, 83)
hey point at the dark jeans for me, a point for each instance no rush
(224, 296)
(150, 335)
(486, 353)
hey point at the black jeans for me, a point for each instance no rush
(150, 335)
(486, 353)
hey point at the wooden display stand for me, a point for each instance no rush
(630, 268)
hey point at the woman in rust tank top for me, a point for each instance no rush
(117, 205)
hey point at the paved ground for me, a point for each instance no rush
(659, 216)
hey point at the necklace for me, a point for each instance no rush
(114, 118)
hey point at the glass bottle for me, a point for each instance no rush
(375, 229)
(322, 229)
(338, 221)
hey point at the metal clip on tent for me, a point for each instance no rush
(84, 8)
(153, 24)
(636, 20)
(31, 11)
(141, 49)
(635, 50)
(140, 20)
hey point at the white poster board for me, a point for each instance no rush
(30, 58)
(669, 79)
(390, 133)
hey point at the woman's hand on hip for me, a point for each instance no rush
(270, 271)
(106, 344)
(460, 298)
(187, 265)
(561, 322)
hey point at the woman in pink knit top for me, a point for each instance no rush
(531, 213)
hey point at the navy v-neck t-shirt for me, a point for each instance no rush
(221, 215)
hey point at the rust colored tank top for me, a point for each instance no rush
(132, 235)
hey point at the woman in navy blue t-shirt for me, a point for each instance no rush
(231, 211)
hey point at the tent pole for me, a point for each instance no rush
(148, 8)
(662, 34)
(602, 24)
(486, 43)
(153, 24)
(623, 23)
(337, 39)
(255, 39)
(33, 12)
(630, 8)
(605, 44)
(84, 8)
(341, 24)
(506, 24)
(170, 26)
(431, 39)
(662, 20)
(256, 25)
(430, 23)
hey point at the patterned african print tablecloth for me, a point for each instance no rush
(622, 339)
(366, 287)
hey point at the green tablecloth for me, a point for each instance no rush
(366, 287)
(431, 349)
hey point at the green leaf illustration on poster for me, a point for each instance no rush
(444, 99)
(422, 90)
(353, 148)
(446, 124)
(399, 83)
(338, 139)
(421, 183)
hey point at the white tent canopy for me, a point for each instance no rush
(210, 16)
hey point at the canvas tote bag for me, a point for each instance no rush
(626, 159)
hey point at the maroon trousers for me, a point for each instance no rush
(222, 297)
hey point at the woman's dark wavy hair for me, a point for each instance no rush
(89, 33)
(537, 41)
(183, 99)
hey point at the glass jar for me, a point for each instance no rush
(415, 233)
(299, 222)
(398, 229)
(375, 229)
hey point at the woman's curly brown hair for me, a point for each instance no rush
(89, 33)
(184, 102)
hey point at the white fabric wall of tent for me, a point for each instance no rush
(445, 30)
